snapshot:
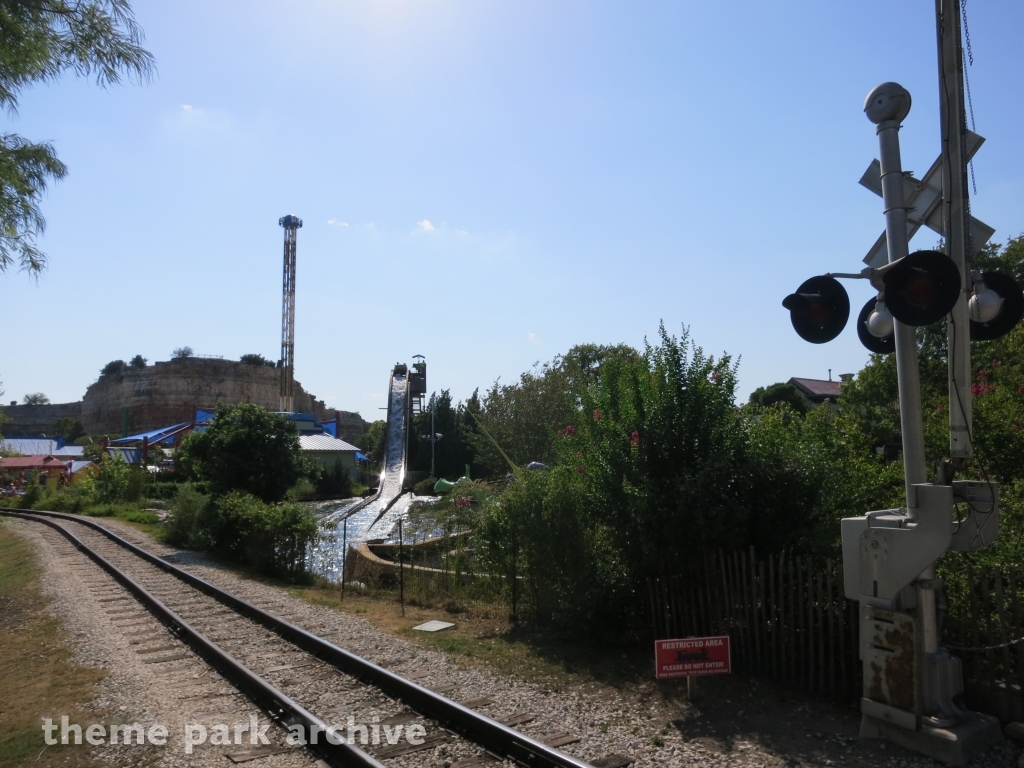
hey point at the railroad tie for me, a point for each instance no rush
(255, 754)
(612, 761)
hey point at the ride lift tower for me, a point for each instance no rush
(417, 384)
(291, 225)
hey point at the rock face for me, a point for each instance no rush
(167, 393)
(36, 419)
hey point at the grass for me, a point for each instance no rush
(484, 637)
(39, 679)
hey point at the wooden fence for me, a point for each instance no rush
(787, 619)
(984, 626)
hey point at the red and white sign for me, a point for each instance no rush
(692, 657)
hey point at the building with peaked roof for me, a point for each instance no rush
(49, 469)
(328, 450)
(817, 391)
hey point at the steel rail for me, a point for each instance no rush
(474, 726)
(335, 749)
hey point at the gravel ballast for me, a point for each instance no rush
(762, 728)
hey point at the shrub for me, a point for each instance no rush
(246, 449)
(117, 481)
(425, 487)
(188, 523)
(113, 368)
(273, 538)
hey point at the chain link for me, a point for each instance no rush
(967, 82)
(984, 647)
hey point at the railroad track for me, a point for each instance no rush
(297, 678)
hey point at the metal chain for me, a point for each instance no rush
(967, 31)
(967, 81)
(984, 647)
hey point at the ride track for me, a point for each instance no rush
(154, 583)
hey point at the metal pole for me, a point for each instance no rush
(886, 106)
(401, 569)
(955, 223)
(433, 437)
(344, 555)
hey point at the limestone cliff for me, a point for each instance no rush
(166, 393)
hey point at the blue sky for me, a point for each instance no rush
(483, 183)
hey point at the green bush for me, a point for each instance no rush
(187, 524)
(273, 538)
(118, 481)
(425, 487)
(246, 449)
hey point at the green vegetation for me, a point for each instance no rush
(181, 353)
(40, 678)
(138, 362)
(257, 360)
(653, 464)
(36, 398)
(242, 466)
(41, 41)
(114, 368)
(372, 442)
(68, 428)
(247, 449)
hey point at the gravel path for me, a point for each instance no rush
(762, 728)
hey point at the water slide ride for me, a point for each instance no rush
(378, 512)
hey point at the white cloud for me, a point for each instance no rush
(187, 107)
(532, 338)
(461, 233)
(423, 227)
(370, 225)
(336, 223)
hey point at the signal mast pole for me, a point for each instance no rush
(957, 225)
(291, 225)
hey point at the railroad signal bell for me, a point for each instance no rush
(918, 289)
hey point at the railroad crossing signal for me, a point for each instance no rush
(924, 203)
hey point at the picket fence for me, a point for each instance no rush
(788, 619)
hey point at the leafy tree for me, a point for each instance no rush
(259, 360)
(36, 398)
(451, 453)
(782, 392)
(68, 428)
(246, 448)
(40, 41)
(138, 362)
(181, 352)
(523, 417)
(373, 441)
(113, 368)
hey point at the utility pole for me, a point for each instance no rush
(957, 225)
(291, 225)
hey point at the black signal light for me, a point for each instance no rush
(922, 288)
(819, 309)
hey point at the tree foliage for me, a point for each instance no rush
(68, 428)
(138, 362)
(373, 441)
(40, 41)
(782, 392)
(36, 398)
(247, 449)
(113, 368)
(258, 360)
(181, 353)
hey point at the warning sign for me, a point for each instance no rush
(692, 657)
